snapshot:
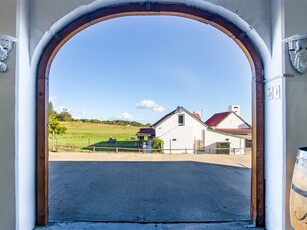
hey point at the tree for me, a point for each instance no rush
(54, 128)
(51, 111)
(157, 143)
(64, 116)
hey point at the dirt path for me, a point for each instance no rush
(231, 160)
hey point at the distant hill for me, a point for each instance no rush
(111, 122)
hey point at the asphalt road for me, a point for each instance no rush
(148, 191)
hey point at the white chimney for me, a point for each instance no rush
(235, 109)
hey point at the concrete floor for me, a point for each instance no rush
(149, 192)
(71, 179)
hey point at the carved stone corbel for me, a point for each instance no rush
(297, 45)
(6, 45)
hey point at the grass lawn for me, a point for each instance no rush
(80, 135)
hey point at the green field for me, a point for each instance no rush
(82, 136)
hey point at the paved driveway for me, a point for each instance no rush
(130, 188)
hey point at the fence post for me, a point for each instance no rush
(94, 149)
(116, 149)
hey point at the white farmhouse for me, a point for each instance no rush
(228, 124)
(180, 130)
(228, 120)
(185, 132)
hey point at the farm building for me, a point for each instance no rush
(185, 132)
(230, 123)
(148, 133)
(222, 126)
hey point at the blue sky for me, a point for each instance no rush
(142, 67)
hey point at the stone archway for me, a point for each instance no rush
(154, 8)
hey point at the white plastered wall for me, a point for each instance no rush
(180, 137)
(17, 122)
(213, 137)
(25, 132)
(231, 122)
(8, 122)
(275, 127)
(17, 140)
(296, 93)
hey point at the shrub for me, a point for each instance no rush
(157, 144)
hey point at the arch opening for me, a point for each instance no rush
(102, 14)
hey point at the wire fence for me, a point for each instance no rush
(94, 148)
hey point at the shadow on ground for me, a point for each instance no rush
(109, 146)
(148, 192)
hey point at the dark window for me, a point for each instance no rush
(181, 120)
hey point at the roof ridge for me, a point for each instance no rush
(216, 118)
(178, 109)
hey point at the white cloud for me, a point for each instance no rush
(150, 104)
(125, 116)
(59, 108)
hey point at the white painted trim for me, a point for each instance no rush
(227, 14)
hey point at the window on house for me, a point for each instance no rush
(181, 120)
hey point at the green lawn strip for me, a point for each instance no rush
(84, 136)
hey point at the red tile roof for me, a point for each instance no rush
(146, 132)
(217, 118)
